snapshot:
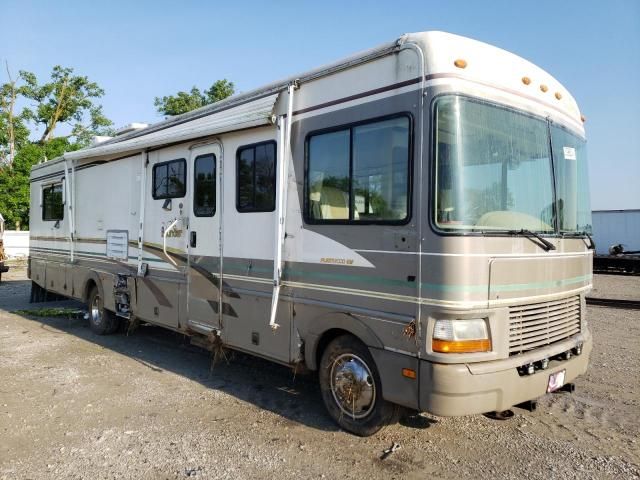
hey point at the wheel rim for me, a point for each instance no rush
(96, 313)
(352, 385)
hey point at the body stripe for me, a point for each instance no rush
(439, 287)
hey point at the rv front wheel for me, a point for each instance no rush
(351, 388)
(101, 321)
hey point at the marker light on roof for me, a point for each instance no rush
(526, 80)
(544, 88)
(460, 63)
(583, 118)
(558, 95)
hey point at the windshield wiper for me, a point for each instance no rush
(544, 244)
(591, 245)
(584, 234)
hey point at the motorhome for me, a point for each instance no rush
(411, 222)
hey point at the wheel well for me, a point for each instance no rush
(91, 283)
(326, 338)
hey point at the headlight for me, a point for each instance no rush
(461, 336)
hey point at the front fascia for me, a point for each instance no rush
(470, 275)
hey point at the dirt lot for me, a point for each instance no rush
(75, 405)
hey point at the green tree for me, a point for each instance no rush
(184, 102)
(13, 132)
(66, 98)
(14, 178)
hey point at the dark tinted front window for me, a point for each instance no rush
(204, 186)
(52, 206)
(256, 172)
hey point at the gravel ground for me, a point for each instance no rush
(75, 405)
(624, 287)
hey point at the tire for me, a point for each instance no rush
(346, 358)
(101, 321)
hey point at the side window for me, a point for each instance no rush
(169, 179)
(204, 186)
(360, 174)
(256, 178)
(52, 206)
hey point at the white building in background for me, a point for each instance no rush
(16, 243)
(613, 227)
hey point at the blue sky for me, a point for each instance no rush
(139, 50)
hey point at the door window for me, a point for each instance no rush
(204, 186)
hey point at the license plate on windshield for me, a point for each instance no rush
(556, 381)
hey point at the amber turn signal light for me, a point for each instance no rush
(460, 63)
(461, 346)
(409, 373)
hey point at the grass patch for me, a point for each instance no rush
(51, 312)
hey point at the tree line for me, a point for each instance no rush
(33, 112)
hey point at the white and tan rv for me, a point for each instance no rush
(411, 222)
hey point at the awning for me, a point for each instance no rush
(251, 114)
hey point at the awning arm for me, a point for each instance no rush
(282, 187)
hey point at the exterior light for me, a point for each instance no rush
(558, 95)
(409, 373)
(543, 88)
(526, 80)
(460, 63)
(461, 336)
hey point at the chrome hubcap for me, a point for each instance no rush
(352, 385)
(96, 314)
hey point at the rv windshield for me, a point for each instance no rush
(493, 171)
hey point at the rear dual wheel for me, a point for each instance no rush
(101, 321)
(351, 388)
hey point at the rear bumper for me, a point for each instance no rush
(467, 389)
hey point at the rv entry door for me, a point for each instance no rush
(204, 273)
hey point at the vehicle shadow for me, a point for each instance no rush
(276, 388)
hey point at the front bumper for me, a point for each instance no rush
(467, 389)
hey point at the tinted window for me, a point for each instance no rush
(204, 186)
(52, 206)
(169, 179)
(328, 176)
(360, 173)
(256, 177)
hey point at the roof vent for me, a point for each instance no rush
(132, 127)
(97, 139)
